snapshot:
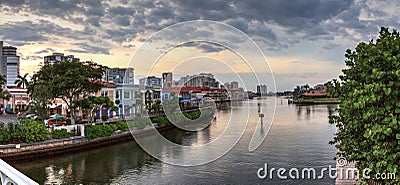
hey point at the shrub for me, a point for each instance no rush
(94, 131)
(140, 122)
(121, 125)
(60, 134)
(34, 131)
(113, 127)
(161, 120)
(104, 117)
(15, 132)
(369, 112)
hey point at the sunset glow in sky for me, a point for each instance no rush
(304, 41)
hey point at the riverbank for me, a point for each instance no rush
(56, 147)
(316, 101)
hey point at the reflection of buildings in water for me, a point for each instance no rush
(236, 103)
(262, 132)
(54, 175)
(332, 109)
(223, 105)
(308, 110)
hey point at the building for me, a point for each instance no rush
(9, 64)
(59, 57)
(150, 82)
(119, 75)
(130, 99)
(262, 90)
(318, 91)
(109, 90)
(201, 80)
(231, 85)
(18, 101)
(167, 80)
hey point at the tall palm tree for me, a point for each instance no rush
(22, 81)
(4, 95)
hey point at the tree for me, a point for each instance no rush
(94, 104)
(148, 100)
(4, 95)
(333, 88)
(22, 81)
(40, 98)
(297, 92)
(138, 103)
(369, 113)
(68, 80)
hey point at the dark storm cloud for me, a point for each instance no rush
(45, 51)
(204, 46)
(21, 31)
(122, 21)
(86, 48)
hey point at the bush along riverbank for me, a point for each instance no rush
(31, 139)
(28, 131)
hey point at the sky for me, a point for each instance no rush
(303, 41)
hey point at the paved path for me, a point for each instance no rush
(6, 118)
(345, 174)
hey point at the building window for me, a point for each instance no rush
(104, 93)
(127, 95)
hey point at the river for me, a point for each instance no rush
(298, 139)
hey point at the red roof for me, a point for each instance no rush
(193, 88)
(106, 84)
(315, 93)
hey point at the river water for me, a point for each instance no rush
(297, 139)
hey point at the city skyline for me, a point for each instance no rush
(300, 47)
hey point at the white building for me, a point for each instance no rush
(58, 57)
(9, 64)
(119, 75)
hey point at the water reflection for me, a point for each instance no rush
(306, 112)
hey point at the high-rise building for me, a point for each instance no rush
(119, 75)
(262, 90)
(9, 64)
(1, 56)
(231, 85)
(234, 85)
(201, 80)
(59, 57)
(167, 80)
(150, 81)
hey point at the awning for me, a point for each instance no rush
(194, 100)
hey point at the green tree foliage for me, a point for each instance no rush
(369, 113)
(34, 131)
(94, 131)
(22, 81)
(148, 100)
(60, 134)
(333, 88)
(66, 80)
(4, 95)
(26, 131)
(94, 104)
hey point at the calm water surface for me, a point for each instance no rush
(298, 139)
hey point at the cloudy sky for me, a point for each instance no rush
(303, 40)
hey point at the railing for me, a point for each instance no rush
(11, 176)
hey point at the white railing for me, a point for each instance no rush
(11, 176)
